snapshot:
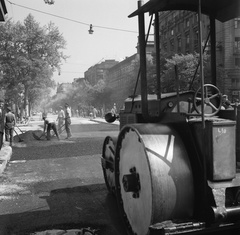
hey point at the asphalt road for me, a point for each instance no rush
(58, 185)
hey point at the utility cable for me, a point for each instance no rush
(75, 21)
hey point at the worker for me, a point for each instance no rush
(60, 119)
(50, 124)
(114, 109)
(68, 115)
(10, 122)
(226, 104)
(2, 121)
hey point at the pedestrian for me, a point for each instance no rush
(94, 112)
(10, 122)
(60, 119)
(68, 121)
(50, 124)
(102, 112)
(226, 104)
(114, 109)
(2, 121)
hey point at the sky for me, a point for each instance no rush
(114, 37)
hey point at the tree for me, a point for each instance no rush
(188, 72)
(186, 66)
(29, 54)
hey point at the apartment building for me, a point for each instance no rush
(179, 35)
(99, 71)
(121, 79)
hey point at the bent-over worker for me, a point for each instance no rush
(50, 124)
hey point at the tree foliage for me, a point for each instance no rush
(29, 54)
(83, 95)
(186, 68)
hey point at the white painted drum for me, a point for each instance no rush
(166, 183)
(108, 153)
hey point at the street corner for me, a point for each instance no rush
(5, 155)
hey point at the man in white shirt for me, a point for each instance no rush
(50, 124)
(60, 119)
(68, 120)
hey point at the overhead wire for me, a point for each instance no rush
(75, 21)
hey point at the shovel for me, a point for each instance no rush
(20, 140)
(19, 129)
(38, 137)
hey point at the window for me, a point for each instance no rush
(237, 45)
(196, 18)
(235, 83)
(179, 43)
(187, 42)
(165, 46)
(196, 40)
(172, 45)
(237, 62)
(237, 23)
(179, 27)
(187, 22)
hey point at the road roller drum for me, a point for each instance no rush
(108, 158)
(153, 176)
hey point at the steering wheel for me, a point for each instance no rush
(211, 92)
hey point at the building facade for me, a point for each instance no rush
(179, 35)
(99, 71)
(121, 79)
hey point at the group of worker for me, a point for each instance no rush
(63, 119)
(8, 121)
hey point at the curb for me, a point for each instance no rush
(5, 155)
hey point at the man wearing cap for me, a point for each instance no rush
(10, 122)
(68, 120)
(2, 121)
(49, 124)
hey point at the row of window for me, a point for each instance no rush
(179, 43)
(237, 23)
(237, 44)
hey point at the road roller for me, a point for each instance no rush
(174, 167)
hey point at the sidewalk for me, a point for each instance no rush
(5, 155)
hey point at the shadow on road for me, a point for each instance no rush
(68, 208)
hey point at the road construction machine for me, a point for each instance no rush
(174, 166)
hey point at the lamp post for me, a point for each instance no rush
(49, 2)
(90, 31)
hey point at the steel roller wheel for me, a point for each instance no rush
(153, 177)
(108, 158)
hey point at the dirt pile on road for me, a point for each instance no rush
(28, 136)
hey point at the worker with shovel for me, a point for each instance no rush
(50, 124)
(10, 122)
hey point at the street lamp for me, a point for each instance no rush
(49, 2)
(90, 30)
